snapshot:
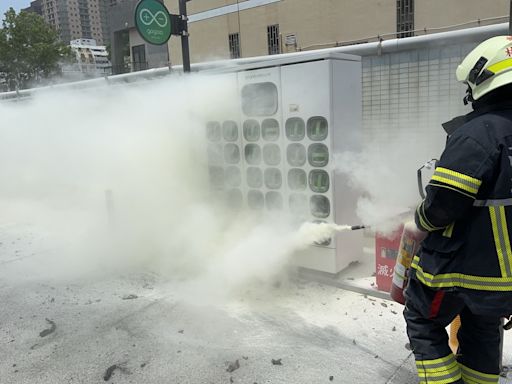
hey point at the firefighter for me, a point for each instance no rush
(464, 265)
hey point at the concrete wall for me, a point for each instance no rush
(316, 22)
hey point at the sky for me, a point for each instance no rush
(16, 4)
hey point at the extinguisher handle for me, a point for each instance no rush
(429, 165)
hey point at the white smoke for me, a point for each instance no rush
(142, 148)
(385, 170)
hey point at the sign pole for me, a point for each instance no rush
(184, 36)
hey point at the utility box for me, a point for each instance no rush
(296, 113)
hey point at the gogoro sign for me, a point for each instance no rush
(153, 21)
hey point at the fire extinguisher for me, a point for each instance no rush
(409, 245)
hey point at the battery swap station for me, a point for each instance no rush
(275, 151)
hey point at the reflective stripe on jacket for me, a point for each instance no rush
(468, 210)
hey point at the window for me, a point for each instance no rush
(404, 18)
(273, 40)
(139, 57)
(234, 45)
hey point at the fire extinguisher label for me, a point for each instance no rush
(399, 275)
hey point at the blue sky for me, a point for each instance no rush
(16, 4)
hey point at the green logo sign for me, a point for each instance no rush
(153, 21)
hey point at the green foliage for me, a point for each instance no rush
(30, 50)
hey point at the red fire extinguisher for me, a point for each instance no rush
(409, 244)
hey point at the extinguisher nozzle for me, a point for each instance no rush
(356, 227)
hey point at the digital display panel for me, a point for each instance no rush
(320, 206)
(271, 154)
(319, 181)
(234, 199)
(273, 178)
(253, 154)
(295, 129)
(273, 201)
(259, 99)
(296, 155)
(232, 177)
(251, 130)
(230, 130)
(297, 179)
(231, 154)
(215, 154)
(298, 204)
(318, 155)
(317, 128)
(255, 200)
(216, 177)
(213, 130)
(270, 129)
(254, 177)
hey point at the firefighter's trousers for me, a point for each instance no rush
(427, 313)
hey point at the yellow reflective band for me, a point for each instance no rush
(425, 223)
(449, 368)
(449, 230)
(459, 175)
(506, 238)
(457, 179)
(471, 376)
(441, 371)
(449, 280)
(441, 360)
(452, 189)
(497, 242)
(500, 66)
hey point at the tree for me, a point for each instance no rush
(30, 49)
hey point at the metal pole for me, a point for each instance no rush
(184, 36)
(510, 19)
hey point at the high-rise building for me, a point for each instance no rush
(36, 6)
(78, 19)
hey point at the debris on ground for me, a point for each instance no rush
(130, 297)
(331, 378)
(384, 305)
(50, 330)
(110, 370)
(232, 366)
(394, 329)
(277, 362)
(181, 331)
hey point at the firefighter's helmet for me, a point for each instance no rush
(487, 67)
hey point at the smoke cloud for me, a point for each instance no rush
(117, 179)
(384, 172)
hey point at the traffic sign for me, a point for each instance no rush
(153, 21)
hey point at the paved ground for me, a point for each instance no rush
(141, 328)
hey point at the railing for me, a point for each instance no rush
(134, 66)
(416, 32)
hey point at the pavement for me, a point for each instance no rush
(137, 326)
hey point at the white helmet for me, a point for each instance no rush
(487, 67)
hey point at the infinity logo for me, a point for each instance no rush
(148, 18)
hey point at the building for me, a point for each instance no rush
(35, 7)
(91, 58)
(77, 19)
(129, 51)
(221, 29)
